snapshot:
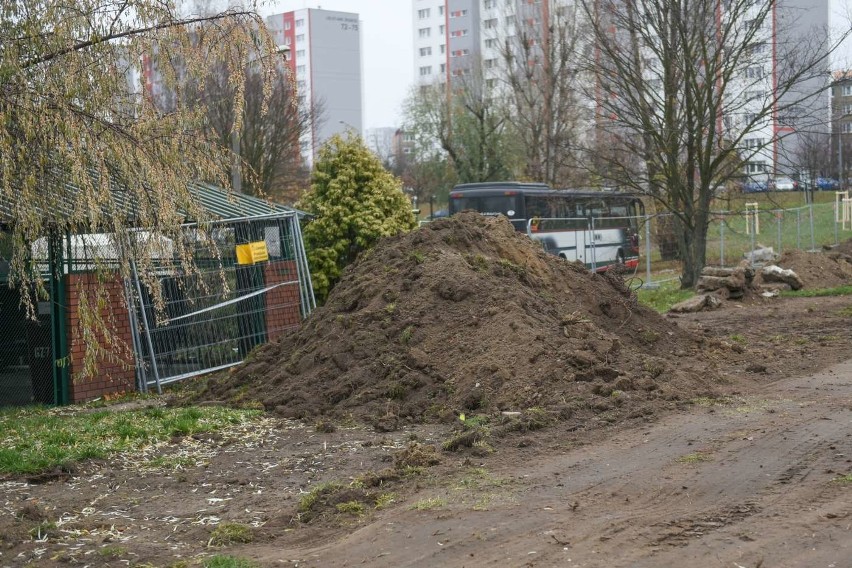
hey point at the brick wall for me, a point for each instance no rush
(282, 303)
(115, 372)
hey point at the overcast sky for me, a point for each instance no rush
(386, 51)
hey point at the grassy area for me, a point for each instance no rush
(36, 439)
(663, 298)
(223, 561)
(786, 211)
(819, 293)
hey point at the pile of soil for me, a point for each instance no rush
(467, 315)
(824, 269)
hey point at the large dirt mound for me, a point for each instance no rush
(823, 269)
(467, 315)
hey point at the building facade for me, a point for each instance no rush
(325, 59)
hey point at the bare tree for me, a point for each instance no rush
(465, 123)
(541, 53)
(270, 128)
(689, 85)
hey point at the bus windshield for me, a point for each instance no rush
(507, 205)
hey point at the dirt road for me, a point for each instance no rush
(750, 483)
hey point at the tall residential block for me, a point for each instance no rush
(325, 59)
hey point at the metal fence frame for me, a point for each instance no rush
(213, 316)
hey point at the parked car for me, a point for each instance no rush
(784, 184)
(754, 186)
(827, 184)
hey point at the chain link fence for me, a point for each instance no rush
(734, 235)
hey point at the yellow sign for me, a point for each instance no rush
(252, 252)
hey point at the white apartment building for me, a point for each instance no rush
(325, 59)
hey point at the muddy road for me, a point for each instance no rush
(749, 481)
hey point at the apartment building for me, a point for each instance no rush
(325, 59)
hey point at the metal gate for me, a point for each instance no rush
(250, 285)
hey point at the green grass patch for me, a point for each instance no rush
(819, 292)
(663, 298)
(230, 533)
(223, 561)
(36, 439)
(844, 478)
(429, 504)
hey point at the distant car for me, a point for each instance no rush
(754, 186)
(785, 184)
(827, 184)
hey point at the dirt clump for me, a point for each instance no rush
(827, 269)
(467, 315)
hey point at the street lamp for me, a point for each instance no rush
(237, 166)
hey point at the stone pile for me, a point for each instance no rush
(726, 283)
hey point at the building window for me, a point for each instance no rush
(424, 32)
(755, 167)
(300, 38)
(300, 69)
(300, 53)
(753, 143)
(288, 40)
(847, 109)
(490, 63)
(510, 20)
(425, 51)
(489, 4)
(301, 85)
(300, 23)
(286, 25)
(846, 90)
(458, 33)
(425, 70)
(490, 23)
(846, 127)
(458, 13)
(490, 83)
(490, 43)
(443, 68)
(441, 29)
(755, 72)
(440, 10)
(460, 53)
(443, 48)
(754, 95)
(423, 14)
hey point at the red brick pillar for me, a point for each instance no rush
(283, 311)
(114, 368)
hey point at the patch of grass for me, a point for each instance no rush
(111, 551)
(351, 507)
(390, 308)
(384, 500)
(43, 530)
(663, 298)
(405, 336)
(222, 561)
(308, 500)
(36, 439)
(695, 457)
(845, 312)
(845, 290)
(477, 262)
(844, 478)
(417, 256)
(738, 338)
(230, 533)
(429, 504)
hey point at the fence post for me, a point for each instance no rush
(798, 228)
(836, 212)
(594, 255)
(722, 239)
(648, 282)
(147, 328)
(779, 220)
(752, 218)
(813, 236)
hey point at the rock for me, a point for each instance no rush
(762, 254)
(774, 273)
(775, 287)
(736, 281)
(717, 271)
(698, 303)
